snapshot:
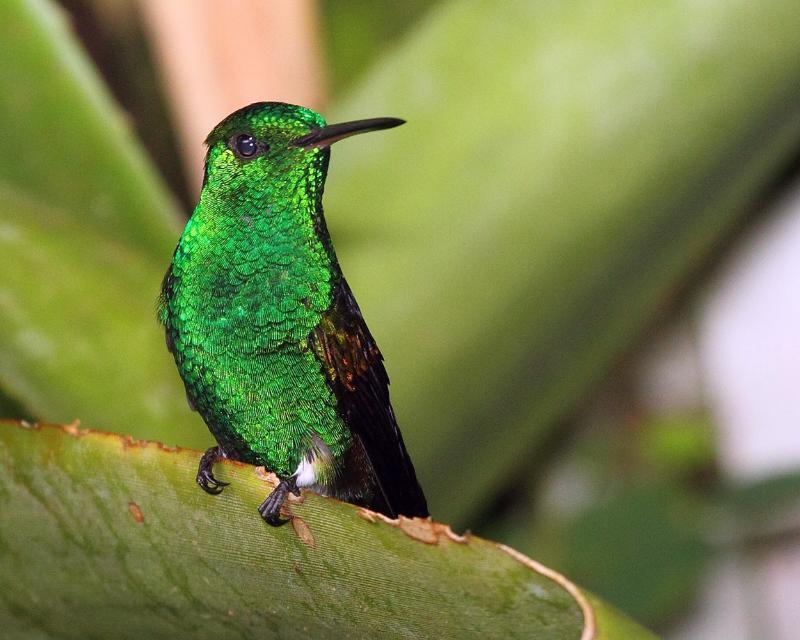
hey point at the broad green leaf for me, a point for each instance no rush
(565, 167)
(104, 536)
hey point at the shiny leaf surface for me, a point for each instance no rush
(104, 536)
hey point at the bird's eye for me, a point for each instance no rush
(245, 145)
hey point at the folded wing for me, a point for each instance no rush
(355, 370)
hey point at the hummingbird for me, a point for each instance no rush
(265, 331)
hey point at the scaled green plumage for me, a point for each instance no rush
(265, 332)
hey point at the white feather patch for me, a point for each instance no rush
(305, 475)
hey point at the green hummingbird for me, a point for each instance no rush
(267, 336)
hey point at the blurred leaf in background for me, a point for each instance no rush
(626, 515)
(563, 172)
(358, 32)
(759, 511)
(114, 36)
(87, 231)
(642, 548)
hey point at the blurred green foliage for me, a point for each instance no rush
(116, 39)
(560, 177)
(565, 170)
(677, 445)
(627, 517)
(755, 512)
(357, 33)
(87, 231)
(611, 542)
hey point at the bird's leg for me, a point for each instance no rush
(270, 509)
(205, 472)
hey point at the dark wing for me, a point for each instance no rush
(355, 370)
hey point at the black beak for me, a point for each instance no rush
(326, 136)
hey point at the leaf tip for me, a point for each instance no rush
(589, 623)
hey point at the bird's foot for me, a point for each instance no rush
(270, 509)
(205, 472)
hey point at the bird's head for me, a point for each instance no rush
(274, 147)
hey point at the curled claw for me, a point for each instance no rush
(273, 519)
(270, 509)
(209, 483)
(205, 472)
